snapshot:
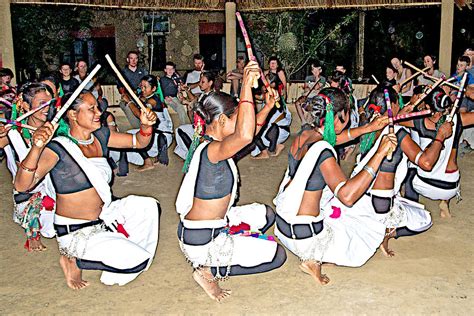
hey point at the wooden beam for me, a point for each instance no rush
(7, 57)
(446, 36)
(230, 36)
(360, 46)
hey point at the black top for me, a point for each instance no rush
(169, 86)
(69, 85)
(67, 176)
(424, 132)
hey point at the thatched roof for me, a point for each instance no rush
(242, 5)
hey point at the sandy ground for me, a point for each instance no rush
(432, 273)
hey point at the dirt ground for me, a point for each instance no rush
(432, 273)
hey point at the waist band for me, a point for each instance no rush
(22, 197)
(63, 230)
(298, 231)
(439, 183)
(197, 236)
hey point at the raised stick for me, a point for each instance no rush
(74, 95)
(248, 45)
(427, 92)
(311, 90)
(5, 101)
(458, 98)
(411, 115)
(391, 128)
(375, 79)
(22, 117)
(18, 124)
(125, 83)
(416, 74)
(445, 82)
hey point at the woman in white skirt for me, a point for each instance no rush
(318, 216)
(219, 239)
(402, 217)
(93, 232)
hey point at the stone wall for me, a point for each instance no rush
(181, 43)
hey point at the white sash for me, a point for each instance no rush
(439, 170)
(288, 200)
(400, 173)
(185, 198)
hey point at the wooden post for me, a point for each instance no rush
(360, 46)
(7, 57)
(446, 36)
(230, 36)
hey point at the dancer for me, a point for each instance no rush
(440, 181)
(93, 233)
(33, 209)
(206, 198)
(163, 130)
(184, 133)
(314, 223)
(401, 216)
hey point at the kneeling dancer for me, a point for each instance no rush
(314, 223)
(93, 232)
(221, 240)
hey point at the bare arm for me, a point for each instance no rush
(377, 124)
(356, 186)
(125, 140)
(467, 118)
(245, 125)
(263, 113)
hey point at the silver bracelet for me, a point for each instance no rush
(349, 134)
(417, 158)
(338, 187)
(134, 141)
(370, 170)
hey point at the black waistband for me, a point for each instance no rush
(440, 183)
(22, 197)
(300, 231)
(197, 236)
(63, 230)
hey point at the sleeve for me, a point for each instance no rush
(401, 134)
(325, 154)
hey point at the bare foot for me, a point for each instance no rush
(444, 209)
(278, 150)
(212, 289)
(72, 273)
(147, 165)
(314, 269)
(384, 245)
(36, 245)
(263, 155)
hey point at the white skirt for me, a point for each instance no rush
(435, 193)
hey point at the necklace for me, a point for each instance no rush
(82, 142)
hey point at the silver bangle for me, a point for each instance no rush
(417, 158)
(349, 134)
(338, 187)
(370, 170)
(134, 141)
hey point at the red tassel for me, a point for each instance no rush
(238, 228)
(336, 212)
(122, 230)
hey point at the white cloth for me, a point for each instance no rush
(18, 145)
(181, 149)
(439, 170)
(138, 215)
(193, 77)
(165, 126)
(349, 240)
(224, 250)
(404, 213)
(282, 136)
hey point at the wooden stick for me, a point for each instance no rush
(125, 83)
(416, 74)
(5, 101)
(18, 124)
(74, 95)
(427, 92)
(391, 128)
(411, 115)
(375, 79)
(311, 90)
(458, 99)
(22, 117)
(445, 82)
(248, 45)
